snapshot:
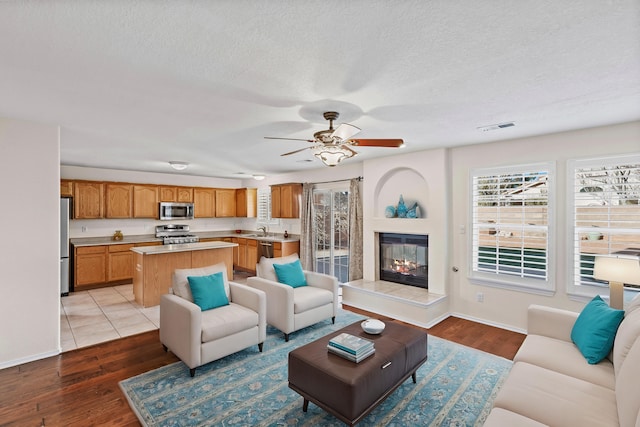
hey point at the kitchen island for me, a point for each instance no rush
(154, 266)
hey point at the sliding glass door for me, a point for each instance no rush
(331, 231)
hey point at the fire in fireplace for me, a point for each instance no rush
(404, 258)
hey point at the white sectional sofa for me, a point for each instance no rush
(551, 383)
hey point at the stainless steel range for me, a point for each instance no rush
(172, 234)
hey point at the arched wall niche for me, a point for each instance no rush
(402, 180)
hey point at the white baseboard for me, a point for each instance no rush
(28, 359)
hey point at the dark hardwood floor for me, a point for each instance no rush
(80, 387)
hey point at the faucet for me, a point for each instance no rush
(263, 229)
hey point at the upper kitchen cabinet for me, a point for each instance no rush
(246, 202)
(176, 194)
(225, 202)
(145, 201)
(118, 200)
(66, 188)
(88, 200)
(204, 202)
(285, 200)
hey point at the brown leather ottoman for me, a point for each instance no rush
(351, 390)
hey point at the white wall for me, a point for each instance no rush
(30, 251)
(504, 307)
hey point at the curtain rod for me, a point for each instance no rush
(359, 178)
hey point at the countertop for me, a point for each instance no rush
(145, 238)
(183, 247)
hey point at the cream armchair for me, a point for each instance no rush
(290, 309)
(199, 337)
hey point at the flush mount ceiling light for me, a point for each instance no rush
(331, 155)
(258, 177)
(179, 166)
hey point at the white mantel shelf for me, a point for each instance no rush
(182, 247)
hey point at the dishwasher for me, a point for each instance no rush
(265, 249)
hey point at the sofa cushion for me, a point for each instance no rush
(627, 335)
(227, 320)
(556, 399)
(308, 297)
(499, 417)
(208, 291)
(595, 329)
(564, 357)
(290, 274)
(180, 284)
(633, 305)
(265, 270)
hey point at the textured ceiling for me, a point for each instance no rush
(135, 84)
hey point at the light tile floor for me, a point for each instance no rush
(105, 314)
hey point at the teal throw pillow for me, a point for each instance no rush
(208, 291)
(290, 274)
(595, 329)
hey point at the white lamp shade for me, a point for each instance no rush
(617, 268)
(331, 155)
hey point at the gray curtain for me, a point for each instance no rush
(307, 239)
(355, 230)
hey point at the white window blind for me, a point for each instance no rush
(605, 213)
(511, 226)
(264, 205)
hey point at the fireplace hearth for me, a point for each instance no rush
(404, 258)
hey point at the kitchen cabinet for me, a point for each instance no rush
(88, 200)
(246, 202)
(90, 266)
(185, 195)
(247, 256)
(119, 262)
(175, 194)
(204, 202)
(281, 249)
(145, 201)
(118, 200)
(66, 188)
(225, 202)
(285, 200)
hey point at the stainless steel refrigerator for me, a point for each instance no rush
(65, 214)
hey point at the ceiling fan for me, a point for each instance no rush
(334, 145)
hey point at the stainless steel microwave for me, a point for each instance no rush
(172, 211)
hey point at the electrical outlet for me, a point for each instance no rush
(84, 228)
(480, 297)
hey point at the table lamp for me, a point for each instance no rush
(617, 269)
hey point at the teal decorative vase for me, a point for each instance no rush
(390, 212)
(413, 211)
(402, 208)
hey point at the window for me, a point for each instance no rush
(605, 215)
(511, 227)
(264, 207)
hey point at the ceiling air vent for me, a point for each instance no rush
(496, 126)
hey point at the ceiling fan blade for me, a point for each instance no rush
(290, 139)
(294, 152)
(391, 143)
(345, 131)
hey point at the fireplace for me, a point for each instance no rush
(404, 258)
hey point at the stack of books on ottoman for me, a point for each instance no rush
(351, 347)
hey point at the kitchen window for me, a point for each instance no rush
(604, 196)
(512, 222)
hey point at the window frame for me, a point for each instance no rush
(578, 291)
(545, 286)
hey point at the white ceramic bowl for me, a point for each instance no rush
(372, 326)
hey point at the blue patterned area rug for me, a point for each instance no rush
(456, 387)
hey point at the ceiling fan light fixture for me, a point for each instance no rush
(332, 155)
(179, 166)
